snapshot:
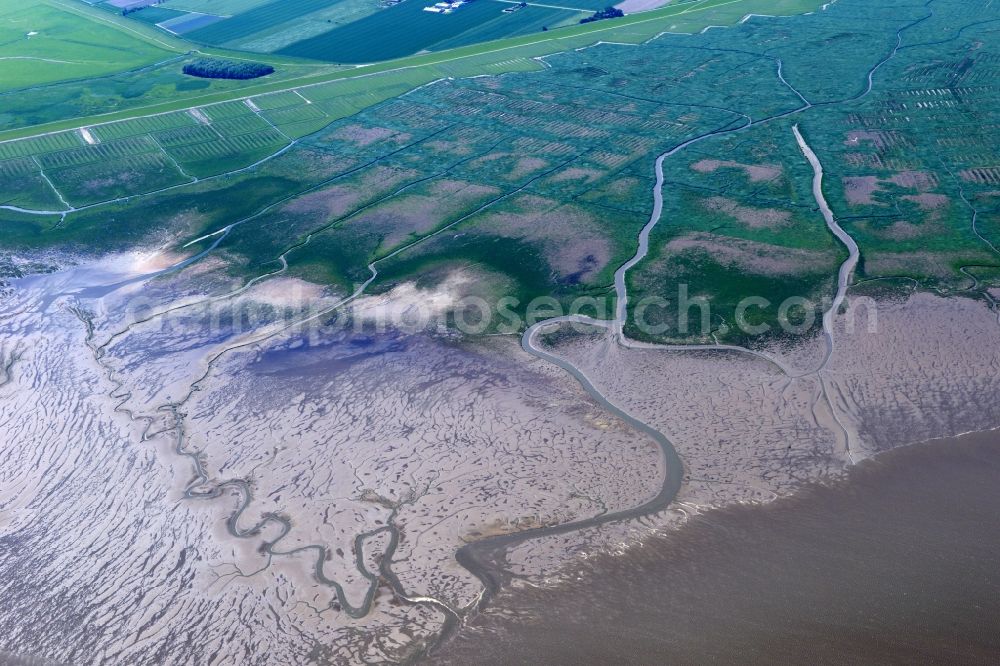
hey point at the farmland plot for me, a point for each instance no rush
(46, 44)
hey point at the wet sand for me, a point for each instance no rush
(190, 488)
(896, 563)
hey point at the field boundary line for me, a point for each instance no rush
(80, 11)
(346, 75)
(539, 4)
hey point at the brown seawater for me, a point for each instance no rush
(897, 563)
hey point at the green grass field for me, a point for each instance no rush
(362, 30)
(394, 32)
(64, 107)
(337, 13)
(561, 155)
(42, 44)
(257, 19)
(153, 15)
(406, 28)
(527, 21)
(220, 7)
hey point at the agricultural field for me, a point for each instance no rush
(44, 43)
(739, 211)
(196, 270)
(355, 31)
(162, 88)
(162, 82)
(256, 19)
(219, 7)
(535, 142)
(158, 15)
(406, 28)
(527, 21)
(75, 61)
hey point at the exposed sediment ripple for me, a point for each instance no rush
(341, 490)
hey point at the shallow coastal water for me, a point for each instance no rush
(894, 564)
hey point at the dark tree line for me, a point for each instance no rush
(606, 13)
(226, 69)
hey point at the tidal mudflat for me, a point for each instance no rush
(224, 441)
(895, 563)
(174, 470)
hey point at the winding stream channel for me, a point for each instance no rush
(854, 253)
(484, 558)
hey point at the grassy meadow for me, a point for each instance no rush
(44, 43)
(541, 178)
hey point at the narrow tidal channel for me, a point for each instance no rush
(894, 564)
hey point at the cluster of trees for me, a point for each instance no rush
(606, 13)
(211, 68)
